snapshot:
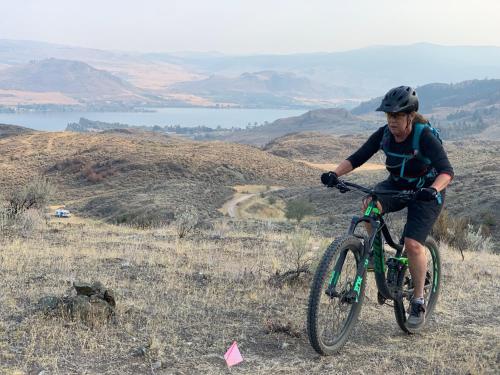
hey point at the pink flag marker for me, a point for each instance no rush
(233, 355)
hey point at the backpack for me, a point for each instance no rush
(419, 128)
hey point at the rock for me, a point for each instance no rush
(48, 303)
(83, 289)
(140, 351)
(285, 345)
(156, 365)
(100, 309)
(98, 288)
(92, 303)
(79, 307)
(109, 297)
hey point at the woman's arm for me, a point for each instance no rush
(366, 151)
(344, 167)
(441, 182)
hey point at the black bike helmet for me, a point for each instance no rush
(399, 99)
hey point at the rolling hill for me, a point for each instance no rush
(329, 121)
(12, 130)
(74, 79)
(315, 147)
(469, 94)
(125, 177)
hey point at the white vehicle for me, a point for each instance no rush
(62, 213)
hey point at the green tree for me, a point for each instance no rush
(298, 209)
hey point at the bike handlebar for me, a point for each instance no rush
(343, 186)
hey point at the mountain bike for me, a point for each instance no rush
(337, 291)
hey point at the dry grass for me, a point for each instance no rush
(331, 167)
(16, 97)
(180, 304)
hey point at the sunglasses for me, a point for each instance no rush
(396, 115)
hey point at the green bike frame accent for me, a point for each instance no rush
(371, 208)
(403, 260)
(357, 286)
(334, 278)
(378, 256)
(435, 276)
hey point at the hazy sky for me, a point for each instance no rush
(250, 26)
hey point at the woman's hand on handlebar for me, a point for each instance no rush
(329, 179)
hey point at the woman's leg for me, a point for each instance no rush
(421, 218)
(417, 260)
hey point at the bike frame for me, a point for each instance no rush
(372, 246)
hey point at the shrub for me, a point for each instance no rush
(221, 228)
(298, 209)
(476, 240)
(30, 222)
(99, 171)
(271, 200)
(186, 220)
(297, 259)
(461, 234)
(34, 195)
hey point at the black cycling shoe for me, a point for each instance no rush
(416, 320)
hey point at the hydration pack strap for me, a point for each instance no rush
(421, 180)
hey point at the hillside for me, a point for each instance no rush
(329, 121)
(11, 130)
(142, 178)
(464, 95)
(315, 147)
(469, 197)
(181, 303)
(74, 79)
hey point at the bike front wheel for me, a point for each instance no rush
(431, 286)
(331, 312)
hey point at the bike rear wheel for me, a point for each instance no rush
(431, 286)
(330, 318)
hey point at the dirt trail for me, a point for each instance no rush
(231, 206)
(331, 167)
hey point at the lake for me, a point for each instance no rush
(188, 117)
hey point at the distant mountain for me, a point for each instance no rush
(75, 79)
(259, 88)
(475, 93)
(367, 71)
(67, 76)
(15, 52)
(132, 67)
(314, 79)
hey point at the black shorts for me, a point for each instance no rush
(421, 215)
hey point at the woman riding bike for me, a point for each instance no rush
(416, 160)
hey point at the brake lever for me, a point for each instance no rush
(342, 188)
